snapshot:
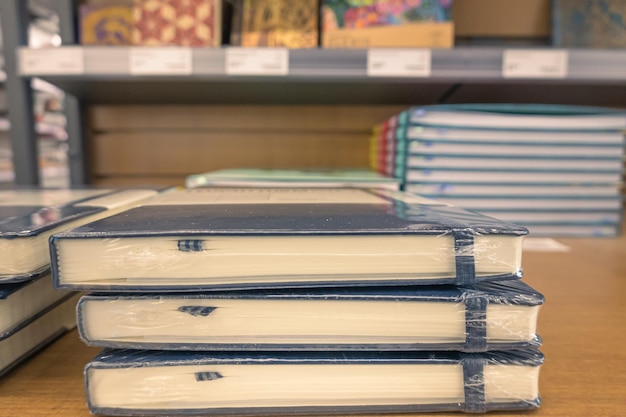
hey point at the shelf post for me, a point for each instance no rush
(14, 18)
(74, 110)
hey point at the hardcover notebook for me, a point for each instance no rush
(359, 178)
(126, 382)
(212, 238)
(21, 300)
(493, 315)
(29, 217)
(516, 117)
(35, 333)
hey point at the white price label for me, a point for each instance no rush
(522, 63)
(160, 61)
(52, 61)
(257, 61)
(398, 62)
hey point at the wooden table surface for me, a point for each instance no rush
(583, 324)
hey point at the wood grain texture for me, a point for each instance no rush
(106, 118)
(185, 153)
(582, 324)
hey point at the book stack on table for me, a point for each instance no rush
(556, 170)
(301, 301)
(32, 313)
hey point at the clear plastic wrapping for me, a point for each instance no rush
(487, 316)
(207, 239)
(122, 382)
(28, 217)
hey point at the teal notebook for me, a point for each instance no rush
(247, 177)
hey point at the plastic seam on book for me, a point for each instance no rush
(473, 385)
(475, 321)
(464, 257)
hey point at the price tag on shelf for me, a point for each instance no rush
(68, 60)
(523, 63)
(398, 62)
(160, 61)
(257, 61)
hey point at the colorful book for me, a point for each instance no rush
(212, 238)
(33, 334)
(387, 23)
(134, 383)
(29, 217)
(22, 300)
(589, 23)
(360, 178)
(280, 23)
(177, 22)
(106, 25)
(487, 316)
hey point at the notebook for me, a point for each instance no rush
(134, 383)
(35, 333)
(22, 300)
(211, 238)
(516, 117)
(493, 315)
(361, 178)
(29, 217)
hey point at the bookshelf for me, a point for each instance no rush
(107, 75)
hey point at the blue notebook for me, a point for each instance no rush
(30, 336)
(217, 238)
(486, 316)
(135, 383)
(28, 217)
(242, 177)
(22, 300)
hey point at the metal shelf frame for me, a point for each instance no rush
(16, 16)
(315, 76)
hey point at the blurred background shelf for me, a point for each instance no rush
(328, 86)
(338, 76)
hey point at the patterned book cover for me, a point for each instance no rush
(355, 14)
(280, 23)
(177, 22)
(589, 23)
(107, 25)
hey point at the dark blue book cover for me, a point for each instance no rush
(131, 382)
(29, 216)
(208, 239)
(36, 332)
(22, 302)
(486, 316)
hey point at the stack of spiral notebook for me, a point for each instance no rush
(554, 169)
(32, 313)
(301, 301)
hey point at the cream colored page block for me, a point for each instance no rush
(243, 386)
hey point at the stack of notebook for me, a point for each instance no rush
(291, 301)
(32, 313)
(555, 169)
